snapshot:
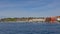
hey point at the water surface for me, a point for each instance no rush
(29, 28)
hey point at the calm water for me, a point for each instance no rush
(29, 28)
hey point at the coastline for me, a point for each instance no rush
(28, 22)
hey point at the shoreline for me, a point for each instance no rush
(26, 22)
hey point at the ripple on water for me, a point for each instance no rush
(29, 28)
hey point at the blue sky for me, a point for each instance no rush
(29, 8)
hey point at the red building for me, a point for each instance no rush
(53, 19)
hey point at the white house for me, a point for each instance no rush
(37, 20)
(58, 18)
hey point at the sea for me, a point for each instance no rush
(29, 28)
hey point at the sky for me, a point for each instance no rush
(29, 8)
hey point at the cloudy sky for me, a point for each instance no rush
(29, 8)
